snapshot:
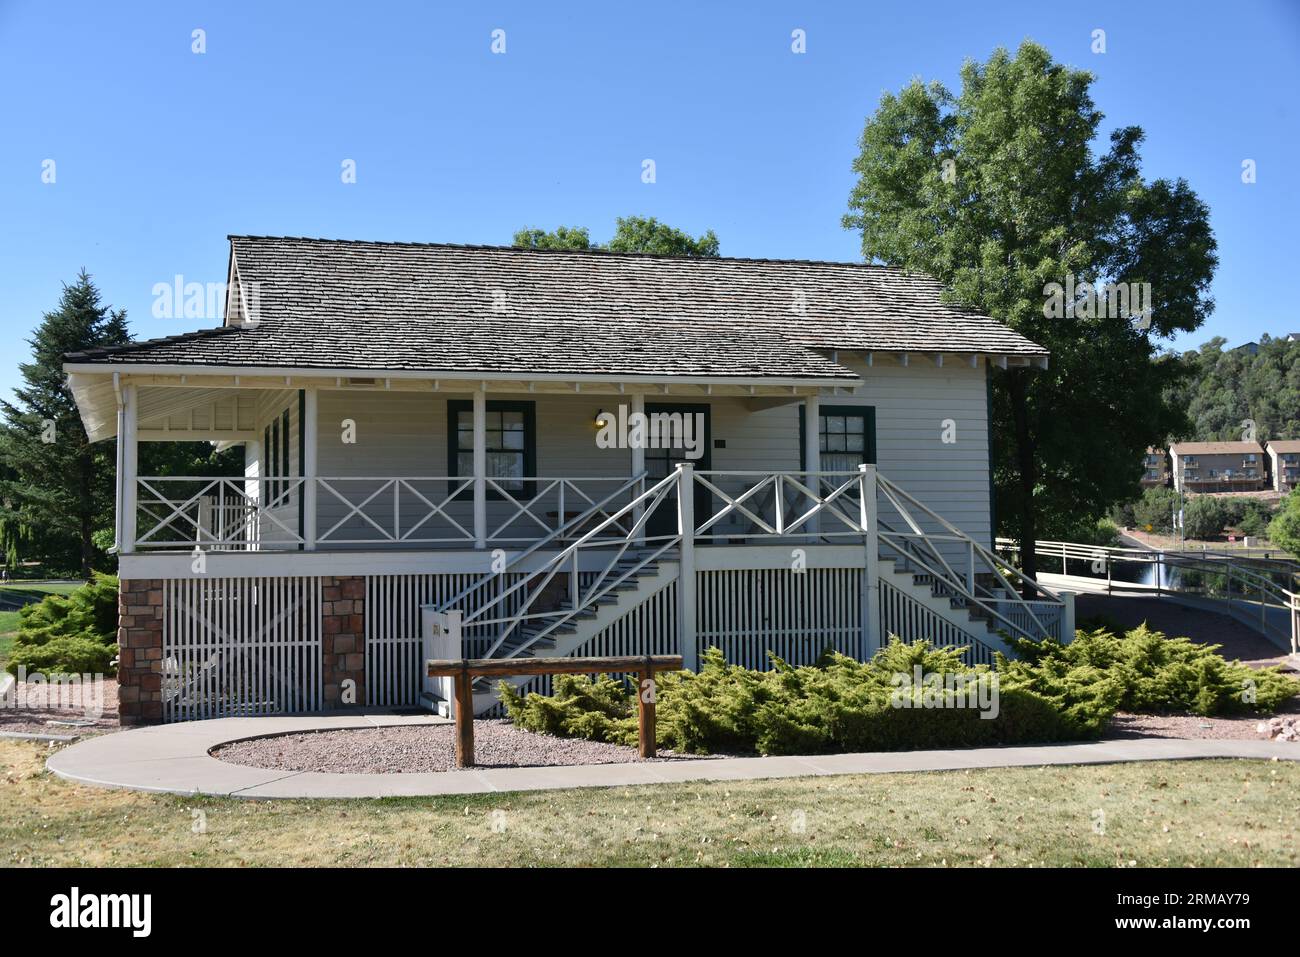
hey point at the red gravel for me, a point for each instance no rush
(414, 749)
(44, 708)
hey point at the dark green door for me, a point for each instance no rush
(661, 462)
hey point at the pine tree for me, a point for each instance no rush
(54, 484)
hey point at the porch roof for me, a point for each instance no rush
(448, 309)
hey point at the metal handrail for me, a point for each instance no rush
(541, 543)
(655, 495)
(1271, 594)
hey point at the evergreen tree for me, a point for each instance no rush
(55, 486)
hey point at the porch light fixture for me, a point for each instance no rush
(602, 419)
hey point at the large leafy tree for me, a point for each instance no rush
(55, 485)
(632, 234)
(999, 191)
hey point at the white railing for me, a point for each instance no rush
(400, 511)
(224, 512)
(634, 517)
(789, 507)
(526, 508)
(964, 570)
(250, 513)
(795, 505)
(1262, 593)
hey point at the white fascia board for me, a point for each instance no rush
(147, 369)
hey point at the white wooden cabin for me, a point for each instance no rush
(425, 442)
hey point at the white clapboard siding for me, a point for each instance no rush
(405, 434)
(241, 646)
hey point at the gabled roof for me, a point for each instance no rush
(467, 309)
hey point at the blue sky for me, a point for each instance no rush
(160, 152)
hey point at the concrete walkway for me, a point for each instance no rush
(174, 759)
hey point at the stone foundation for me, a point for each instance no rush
(139, 641)
(343, 637)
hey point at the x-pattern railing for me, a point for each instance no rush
(782, 504)
(428, 508)
(546, 495)
(184, 518)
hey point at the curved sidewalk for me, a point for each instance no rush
(174, 759)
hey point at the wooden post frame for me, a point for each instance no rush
(467, 669)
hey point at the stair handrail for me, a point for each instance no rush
(897, 496)
(991, 610)
(542, 542)
(653, 495)
(561, 555)
(992, 559)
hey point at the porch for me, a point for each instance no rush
(307, 582)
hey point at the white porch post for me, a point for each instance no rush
(871, 637)
(1067, 617)
(638, 463)
(130, 466)
(812, 456)
(686, 577)
(309, 428)
(480, 468)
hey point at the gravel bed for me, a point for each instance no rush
(413, 749)
(1236, 728)
(36, 719)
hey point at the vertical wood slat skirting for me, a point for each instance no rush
(241, 647)
(794, 615)
(254, 646)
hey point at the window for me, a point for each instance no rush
(511, 441)
(846, 437)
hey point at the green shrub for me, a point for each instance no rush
(1152, 673)
(66, 654)
(1102, 531)
(1284, 529)
(1051, 692)
(63, 624)
(837, 705)
(1254, 522)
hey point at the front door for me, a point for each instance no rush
(661, 462)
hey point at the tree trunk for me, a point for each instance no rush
(86, 523)
(1026, 467)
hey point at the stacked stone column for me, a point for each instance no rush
(343, 603)
(139, 641)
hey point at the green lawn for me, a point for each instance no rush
(38, 590)
(1179, 814)
(8, 628)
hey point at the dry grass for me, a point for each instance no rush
(1225, 813)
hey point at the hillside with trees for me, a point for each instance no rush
(1226, 387)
